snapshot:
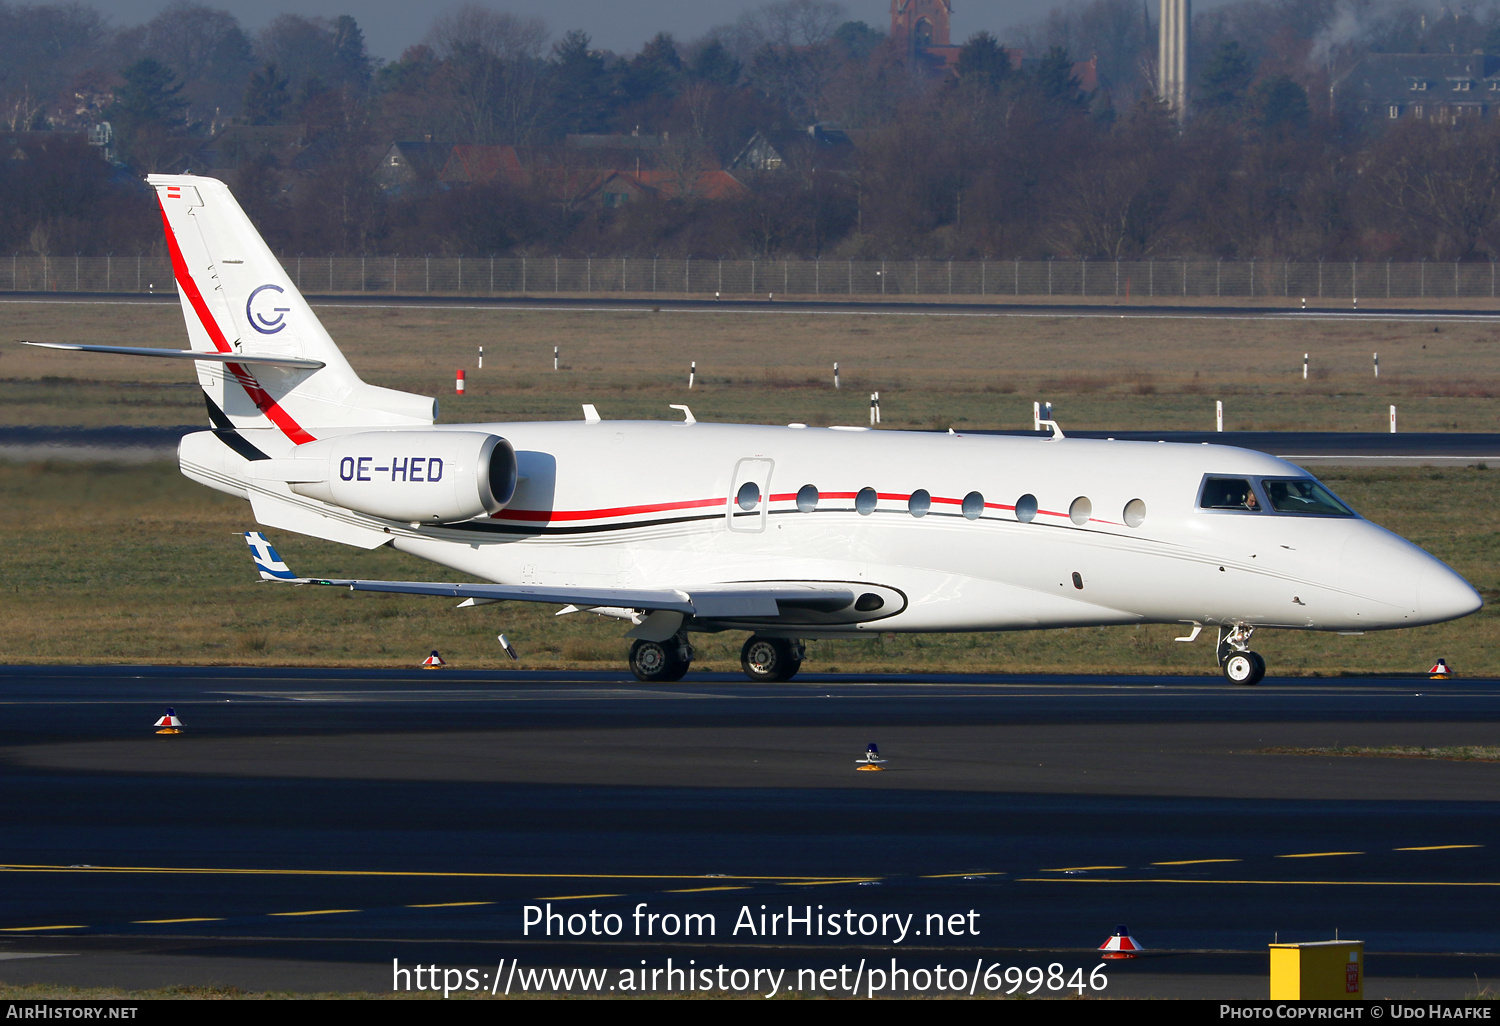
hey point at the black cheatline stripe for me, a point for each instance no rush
(483, 528)
(227, 433)
(479, 527)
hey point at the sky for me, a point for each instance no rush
(620, 25)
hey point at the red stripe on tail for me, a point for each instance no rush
(258, 395)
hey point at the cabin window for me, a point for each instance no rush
(749, 495)
(973, 506)
(1026, 508)
(1229, 493)
(865, 501)
(919, 502)
(1081, 510)
(807, 498)
(1303, 496)
(1135, 513)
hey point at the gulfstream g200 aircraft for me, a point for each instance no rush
(786, 532)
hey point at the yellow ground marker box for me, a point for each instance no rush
(1318, 971)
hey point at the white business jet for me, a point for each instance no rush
(786, 532)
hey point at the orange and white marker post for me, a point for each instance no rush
(458, 383)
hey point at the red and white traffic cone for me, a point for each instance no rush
(1120, 945)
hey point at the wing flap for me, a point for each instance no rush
(755, 600)
(631, 598)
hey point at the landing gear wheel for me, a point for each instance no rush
(769, 660)
(661, 662)
(1244, 668)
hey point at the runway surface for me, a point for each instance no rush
(310, 826)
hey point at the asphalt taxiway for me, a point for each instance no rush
(310, 826)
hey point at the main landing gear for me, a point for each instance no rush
(764, 660)
(661, 662)
(1240, 665)
(768, 660)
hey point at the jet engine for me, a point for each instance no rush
(435, 477)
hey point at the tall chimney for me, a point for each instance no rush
(1172, 65)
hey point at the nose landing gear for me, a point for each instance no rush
(1240, 665)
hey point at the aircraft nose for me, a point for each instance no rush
(1444, 595)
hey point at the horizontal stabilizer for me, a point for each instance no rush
(288, 362)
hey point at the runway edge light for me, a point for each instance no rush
(510, 649)
(434, 661)
(1440, 670)
(169, 724)
(872, 760)
(1120, 944)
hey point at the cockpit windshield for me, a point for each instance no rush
(1232, 493)
(1303, 496)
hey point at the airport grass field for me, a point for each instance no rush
(118, 564)
(1101, 371)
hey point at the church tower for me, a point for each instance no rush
(919, 24)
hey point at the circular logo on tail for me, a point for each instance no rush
(259, 321)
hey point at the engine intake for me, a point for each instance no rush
(435, 477)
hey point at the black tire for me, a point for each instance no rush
(1245, 668)
(660, 662)
(770, 660)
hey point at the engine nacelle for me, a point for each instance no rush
(434, 477)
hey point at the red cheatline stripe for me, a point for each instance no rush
(259, 396)
(548, 515)
(600, 514)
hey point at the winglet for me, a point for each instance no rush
(268, 561)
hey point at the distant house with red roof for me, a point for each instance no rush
(618, 188)
(481, 165)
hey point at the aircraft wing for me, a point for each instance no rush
(717, 601)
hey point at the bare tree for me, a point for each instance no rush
(1118, 206)
(207, 50)
(494, 64)
(1441, 183)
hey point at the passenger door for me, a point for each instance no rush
(749, 495)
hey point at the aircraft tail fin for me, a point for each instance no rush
(237, 298)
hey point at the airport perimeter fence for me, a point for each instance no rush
(540, 276)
